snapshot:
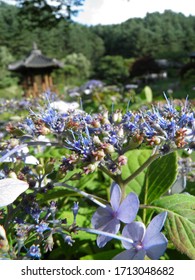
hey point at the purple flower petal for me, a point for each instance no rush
(101, 217)
(155, 226)
(135, 232)
(115, 196)
(131, 254)
(128, 209)
(112, 227)
(156, 246)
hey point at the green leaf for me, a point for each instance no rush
(135, 159)
(180, 223)
(56, 193)
(160, 177)
(52, 152)
(86, 180)
(146, 94)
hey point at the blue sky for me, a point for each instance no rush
(116, 11)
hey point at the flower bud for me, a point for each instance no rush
(117, 116)
(14, 142)
(122, 160)
(90, 168)
(12, 175)
(99, 155)
(121, 132)
(40, 169)
(75, 210)
(49, 243)
(96, 123)
(96, 140)
(68, 239)
(108, 148)
(49, 167)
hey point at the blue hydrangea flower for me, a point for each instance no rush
(34, 252)
(68, 239)
(34, 211)
(75, 210)
(108, 219)
(42, 227)
(142, 241)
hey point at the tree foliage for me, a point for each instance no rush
(112, 68)
(169, 35)
(46, 13)
(160, 35)
(5, 76)
(81, 64)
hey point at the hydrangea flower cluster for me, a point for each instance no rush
(89, 142)
(95, 139)
(44, 225)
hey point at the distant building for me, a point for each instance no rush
(35, 70)
(192, 56)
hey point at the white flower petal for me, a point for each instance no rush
(10, 189)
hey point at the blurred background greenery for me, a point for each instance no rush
(156, 50)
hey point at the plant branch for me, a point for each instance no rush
(115, 178)
(100, 232)
(87, 195)
(141, 168)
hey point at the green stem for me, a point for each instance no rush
(106, 171)
(116, 178)
(87, 195)
(11, 213)
(141, 168)
(123, 191)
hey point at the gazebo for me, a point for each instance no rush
(192, 56)
(35, 70)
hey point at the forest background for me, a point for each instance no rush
(111, 53)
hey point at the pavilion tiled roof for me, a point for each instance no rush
(35, 60)
(192, 54)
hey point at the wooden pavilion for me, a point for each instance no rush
(35, 71)
(192, 57)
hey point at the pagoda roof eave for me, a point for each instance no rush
(35, 61)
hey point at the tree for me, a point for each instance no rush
(5, 75)
(44, 13)
(80, 63)
(144, 65)
(82, 39)
(113, 69)
(77, 68)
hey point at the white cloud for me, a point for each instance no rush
(117, 11)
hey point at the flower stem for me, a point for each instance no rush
(99, 232)
(87, 195)
(141, 168)
(106, 171)
(13, 151)
(116, 178)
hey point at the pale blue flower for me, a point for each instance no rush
(108, 219)
(142, 241)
